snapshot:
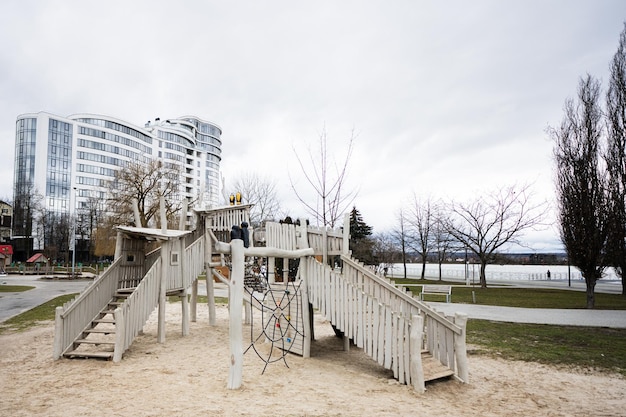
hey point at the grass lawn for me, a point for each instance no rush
(522, 297)
(597, 348)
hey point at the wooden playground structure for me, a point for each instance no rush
(394, 328)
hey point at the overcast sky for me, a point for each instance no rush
(447, 99)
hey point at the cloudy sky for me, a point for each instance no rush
(446, 99)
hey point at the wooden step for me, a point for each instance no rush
(94, 342)
(124, 292)
(433, 369)
(111, 321)
(88, 355)
(100, 331)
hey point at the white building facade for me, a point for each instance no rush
(70, 160)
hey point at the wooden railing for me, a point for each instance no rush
(131, 316)
(193, 262)
(290, 237)
(378, 317)
(334, 239)
(75, 315)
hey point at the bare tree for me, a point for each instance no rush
(28, 210)
(328, 179)
(260, 191)
(90, 217)
(386, 250)
(491, 221)
(581, 185)
(421, 219)
(615, 158)
(442, 241)
(400, 234)
(145, 182)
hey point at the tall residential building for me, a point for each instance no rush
(67, 162)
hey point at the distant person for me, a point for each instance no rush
(548, 274)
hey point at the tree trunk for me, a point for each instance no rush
(591, 285)
(439, 271)
(423, 267)
(483, 278)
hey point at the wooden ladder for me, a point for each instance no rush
(97, 341)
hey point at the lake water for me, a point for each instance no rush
(494, 271)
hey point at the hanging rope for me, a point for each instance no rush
(280, 308)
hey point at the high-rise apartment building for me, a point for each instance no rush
(66, 162)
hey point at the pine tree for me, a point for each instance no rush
(361, 243)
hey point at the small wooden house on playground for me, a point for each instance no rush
(394, 328)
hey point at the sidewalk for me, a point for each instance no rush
(14, 303)
(565, 317)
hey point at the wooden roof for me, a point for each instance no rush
(153, 234)
(37, 258)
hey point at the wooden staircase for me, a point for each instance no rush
(434, 369)
(97, 341)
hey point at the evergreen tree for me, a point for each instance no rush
(361, 243)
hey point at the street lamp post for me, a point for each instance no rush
(73, 239)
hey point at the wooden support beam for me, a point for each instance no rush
(235, 305)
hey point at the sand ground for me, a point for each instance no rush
(187, 376)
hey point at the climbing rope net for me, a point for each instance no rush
(280, 308)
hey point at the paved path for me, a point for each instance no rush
(569, 317)
(12, 304)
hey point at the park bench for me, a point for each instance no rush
(436, 290)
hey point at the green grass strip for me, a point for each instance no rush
(15, 288)
(510, 296)
(596, 348)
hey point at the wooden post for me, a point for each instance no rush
(208, 258)
(235, 306)
(271, 270)
(118, 246)
(307, 323)
(185, 307)
(416, 341)
(194, 299)
(58, 333)
(346, 234)
(120, 334)
(185, 301)
(136, 213)
(460, 348)
(165, 255)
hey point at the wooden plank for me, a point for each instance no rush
(433, 369)
(86, 355)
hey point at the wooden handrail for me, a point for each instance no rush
(403, 295)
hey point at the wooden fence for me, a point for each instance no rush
(378, 317)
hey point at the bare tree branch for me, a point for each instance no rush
(489, 222)
(331, 198)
